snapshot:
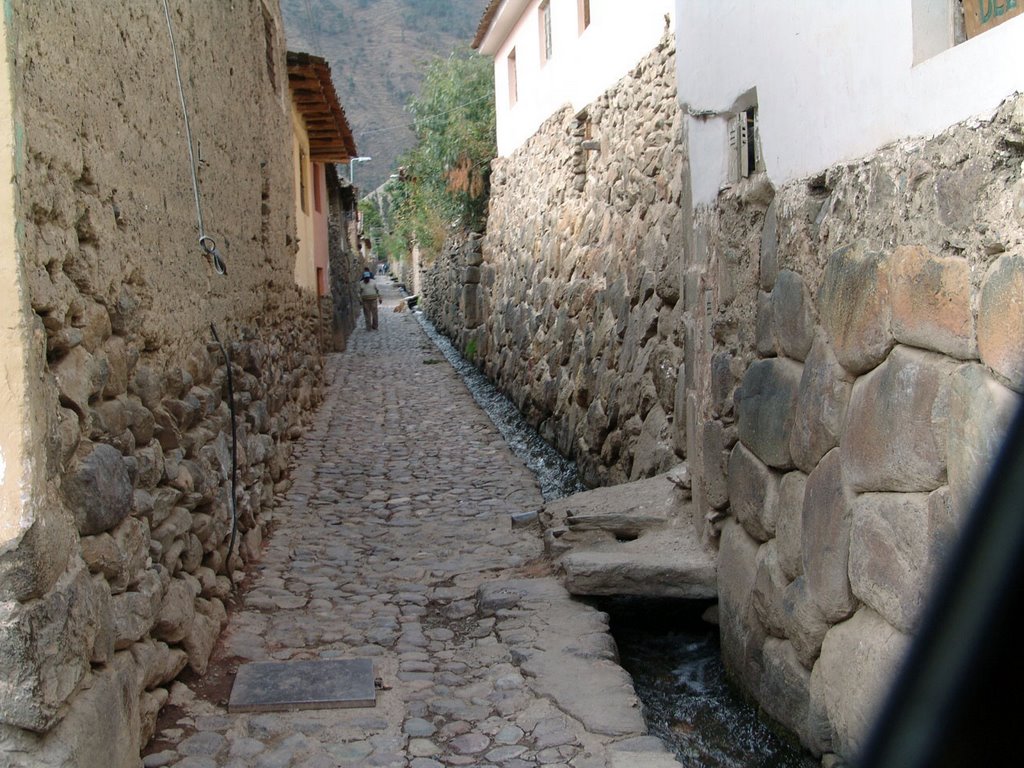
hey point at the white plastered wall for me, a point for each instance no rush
(15, 422)
(581, 67)
(835, 81)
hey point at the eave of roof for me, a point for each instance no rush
(313, 94)
(498, 22)
(485, 22)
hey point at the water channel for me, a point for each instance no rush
(670, 651)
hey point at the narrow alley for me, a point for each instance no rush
(394, 543)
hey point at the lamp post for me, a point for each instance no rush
(352, 167)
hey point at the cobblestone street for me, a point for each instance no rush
(394, 543)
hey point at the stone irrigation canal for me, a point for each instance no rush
(394, 545)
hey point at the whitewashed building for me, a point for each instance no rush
(549, 53)
(835, 81)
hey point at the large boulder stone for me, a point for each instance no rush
(789, 526)
(176, 614)
(804, 624)
(99, 728)
(765, 343)
(792, 315)
(32, 564)
(45, 649)
(741, 632)
(753, 493)
(859, 659)
(766, 403)
(895, 437)
(714, 457)
(118, 361)
(102, 556)
(931, 302)
(769, 584)
(653, 452)
(855, 307)
(825, 538)
(822, 401)
(79, 378)
(98, 490)
(1001, 320)
(785, 687)
(980, 412)
(897, 542)
(135, 611)
(201, 636)
(158, 663)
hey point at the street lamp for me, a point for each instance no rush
(352, 166)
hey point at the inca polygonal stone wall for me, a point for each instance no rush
(571, 302)
(836, 359)
(862, 357)
(115, 576)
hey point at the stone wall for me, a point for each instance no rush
(115, 575)
(863, 355)
(837, 360)
(344, 263)
(570, 304)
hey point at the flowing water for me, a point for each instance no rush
(671, 653)
(674, 659)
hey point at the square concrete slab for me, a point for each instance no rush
(280, 686)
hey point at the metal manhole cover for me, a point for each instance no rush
(275, 686)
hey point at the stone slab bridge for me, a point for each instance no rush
(395, 544)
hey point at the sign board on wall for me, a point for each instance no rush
(981, 15)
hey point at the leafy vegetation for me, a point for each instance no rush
(444, 179)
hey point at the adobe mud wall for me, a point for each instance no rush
(114, 560)
(571, 301)
(858, 352)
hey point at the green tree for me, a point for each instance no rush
(444, 180)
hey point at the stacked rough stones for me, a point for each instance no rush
(570, 303)
(117, 577)
(853, 353)
(887, 359)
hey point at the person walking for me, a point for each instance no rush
(370, 296)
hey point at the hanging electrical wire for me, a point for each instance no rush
(207, 243)
(209, 247)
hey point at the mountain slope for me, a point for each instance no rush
(378, 51)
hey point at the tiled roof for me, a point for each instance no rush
(330, 136)
(485, 22)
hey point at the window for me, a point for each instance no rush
(941, 24)
(583, 13)
(744, 145)
(303, 182)
(545, 32)
(513, 92)
(317, 204)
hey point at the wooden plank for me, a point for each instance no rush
(982, 15)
